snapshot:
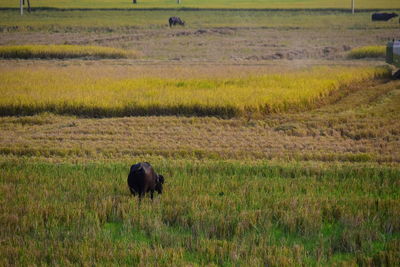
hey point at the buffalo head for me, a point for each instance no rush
(159, 183)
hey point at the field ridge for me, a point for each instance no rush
(344, 10)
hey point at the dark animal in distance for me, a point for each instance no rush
(143, 179)
(383, 16)
(175, 20)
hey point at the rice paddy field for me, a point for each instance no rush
(127, 21)
(70, 92)
(223, 4)
(212, 213)
(278, 148)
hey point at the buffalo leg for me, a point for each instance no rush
(141, 195)
(151, 194)
(132, 191)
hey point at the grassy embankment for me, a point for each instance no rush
(26, 91)
(63, 51)
(222, 213)
(288, 4)
(367, 52)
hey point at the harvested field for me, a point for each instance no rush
(236, 37)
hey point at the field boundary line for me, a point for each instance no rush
(342, 10)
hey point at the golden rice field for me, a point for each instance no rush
(28, 91)
(368, 52)
(63, 51)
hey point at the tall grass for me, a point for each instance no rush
(367, 52)
(27, 91)
(63, 51)
(211, 213)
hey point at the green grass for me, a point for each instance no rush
(367, 52)
(286, 4)
(223, 213)
(122, 21)
(63, 51)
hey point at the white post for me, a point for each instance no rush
(352, 6)
(21, 6)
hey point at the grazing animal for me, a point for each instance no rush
(175, 20)
(142, 179)
(383, 16)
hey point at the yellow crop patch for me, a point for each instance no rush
(64, 51)
(27, 91)
(368, 52)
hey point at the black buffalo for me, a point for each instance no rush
(175, 20)
(142, 179)
(383, 16)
